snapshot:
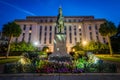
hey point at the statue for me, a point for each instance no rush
(60, 21)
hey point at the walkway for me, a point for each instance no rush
(82, 76)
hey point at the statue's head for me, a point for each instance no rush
(60, 10)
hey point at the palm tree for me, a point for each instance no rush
(108, 29)
(10, 30)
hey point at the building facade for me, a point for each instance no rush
(40, 30)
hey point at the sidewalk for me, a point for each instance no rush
(82, 76)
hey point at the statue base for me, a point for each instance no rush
(60, 51)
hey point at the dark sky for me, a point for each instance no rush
(19, 9)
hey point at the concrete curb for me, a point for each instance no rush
(56, 74)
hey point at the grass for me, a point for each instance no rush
(114, 58)
(10, 59)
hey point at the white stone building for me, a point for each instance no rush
(41, 30)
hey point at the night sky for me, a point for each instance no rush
(19, 9)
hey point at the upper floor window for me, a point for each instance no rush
(75, 33)
(30, 27)
(90, 33)
(46, 20)
(65, 20)
(45, 34)
(50, 28)
(45, 28)
(89, 27)
(24, 27)
(51, 20)
(74, 20)
(75, 28)
(41, 20)
(96, 33)
(69, 28)
(104, 40)
(23, 34)
(96, 28)
(69, 20)
(79, 20)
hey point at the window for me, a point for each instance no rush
(50, 28)
(16, 40)
(75, 39)
(96, 33)
(80, 39)
(29, 37)
(79, 20)
(23, 37)
(40, 34)
(45, 34)
(69, 28)
(45, 40)
(30, 27)
(24, 28)
(41, 20)
(65, 29)
(50, 38)
(46, 20)
(51, 20)
(70, 38)
(91, 38)
(65, 20)
(74, 20)
(69, 20)
(40, 28)
(96, 28)
(97, 38)
(90, 27)
(75, 33)
(80, 34)
(104, 40)
(23, 34)
(91, 35)
(79, 29)
(45, 28)
(75, 28)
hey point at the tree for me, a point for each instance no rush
(108, 29)
(10, 30)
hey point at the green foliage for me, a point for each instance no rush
(108, 29)
(78, 47)
(41, 64)
(11, 30)
(95, 46)
(80, 63)
(22, 46)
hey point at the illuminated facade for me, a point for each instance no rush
(41, 29)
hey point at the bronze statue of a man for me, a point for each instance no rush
(60, 21)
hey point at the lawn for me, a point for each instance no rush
(114, 58)
(10, 59)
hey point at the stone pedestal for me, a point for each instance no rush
(60, 43)
(60, 51)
